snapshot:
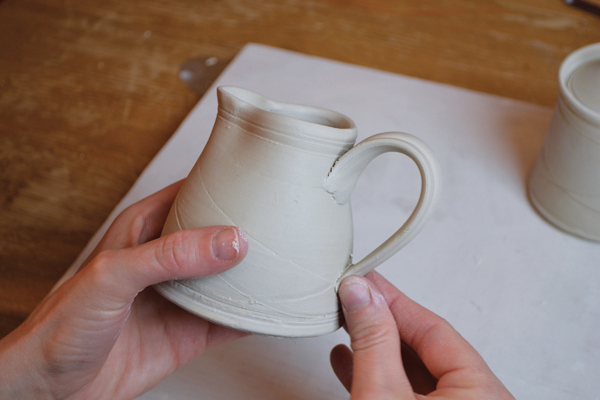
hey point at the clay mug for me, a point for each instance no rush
(565, 182)
(284, 173)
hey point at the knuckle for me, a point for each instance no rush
(176, 251)
(134, 228)
(99, 267)
(490, 387)
(131, 222)
(434, 328)
(371, 334)
(491, 392)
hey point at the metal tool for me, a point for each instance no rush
(585, 5)
(200, 72)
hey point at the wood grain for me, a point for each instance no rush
(89, 91)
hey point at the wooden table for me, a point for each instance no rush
(89, 91)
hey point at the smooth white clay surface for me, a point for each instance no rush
(264, 169)
(584, 83)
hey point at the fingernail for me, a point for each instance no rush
(226, 244)
(354, 294)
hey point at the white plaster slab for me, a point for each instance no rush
(525, 294)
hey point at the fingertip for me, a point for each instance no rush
(339, 352)
(342, 363)
(355, 293)
(227, 243)
(243, 242)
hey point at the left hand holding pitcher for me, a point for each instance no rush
(104, 333)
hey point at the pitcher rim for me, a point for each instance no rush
(340, 128)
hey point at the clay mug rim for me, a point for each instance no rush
(568, 67)
(327, 125)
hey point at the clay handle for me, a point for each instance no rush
(346, 171)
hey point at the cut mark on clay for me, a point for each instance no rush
(262, 245)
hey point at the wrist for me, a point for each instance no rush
(20, 375)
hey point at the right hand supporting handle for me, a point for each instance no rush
(346, 171)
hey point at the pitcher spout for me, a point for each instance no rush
(311, 124)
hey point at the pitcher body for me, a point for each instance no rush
(264, 171)
(284, 173)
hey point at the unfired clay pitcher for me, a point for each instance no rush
(284, 173)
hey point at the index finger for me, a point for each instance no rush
(140, 222)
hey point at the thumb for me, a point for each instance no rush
(378, 370)
(118, 275)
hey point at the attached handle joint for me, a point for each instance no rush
(345, 173)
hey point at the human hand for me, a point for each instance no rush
(390, 335)
(104, 333)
